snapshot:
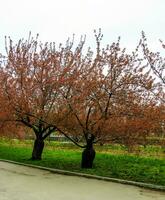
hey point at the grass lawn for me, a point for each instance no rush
(128, 167)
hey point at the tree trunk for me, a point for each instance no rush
(88, 154)
(37, 149)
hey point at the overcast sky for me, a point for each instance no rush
(55, 20)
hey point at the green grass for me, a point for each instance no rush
(129, 167)
(154, 151)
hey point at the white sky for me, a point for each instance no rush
(56, 20)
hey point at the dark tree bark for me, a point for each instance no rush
(37, 149)
(88, 154)
(41, 135)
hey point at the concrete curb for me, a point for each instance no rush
(64, 172)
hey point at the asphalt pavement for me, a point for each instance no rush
(25, 183)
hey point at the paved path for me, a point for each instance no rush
(25, 183)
